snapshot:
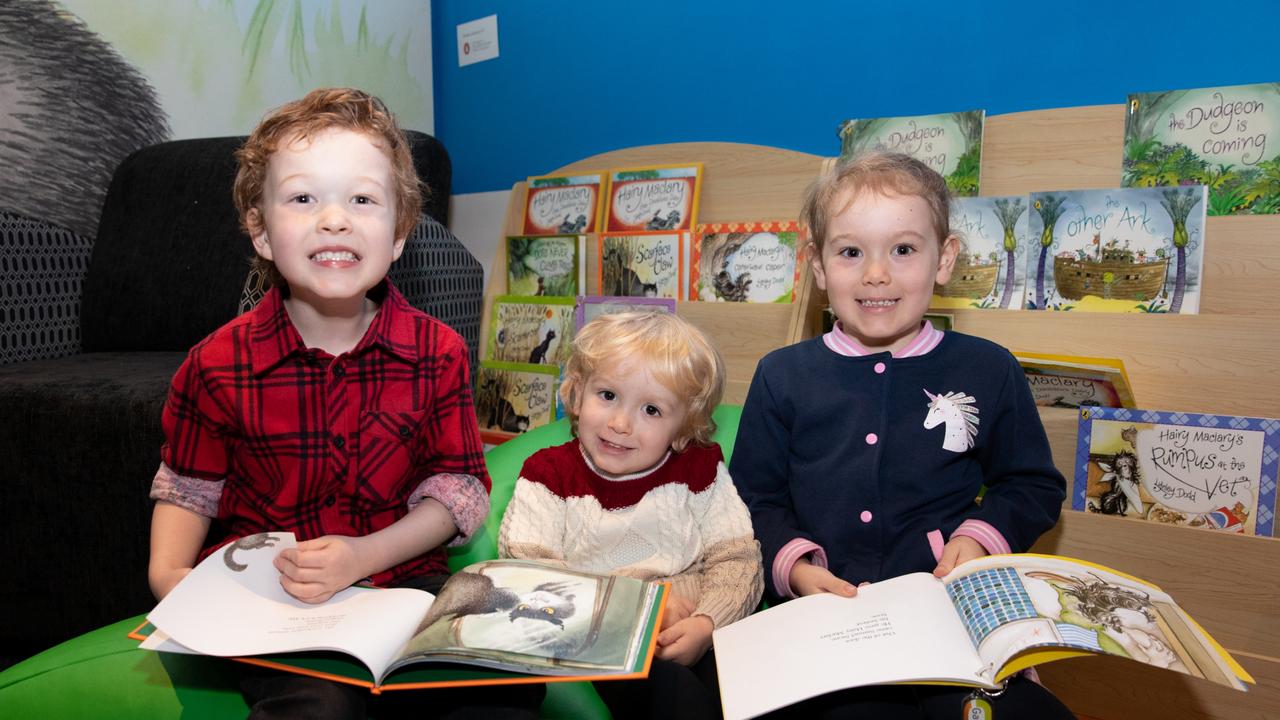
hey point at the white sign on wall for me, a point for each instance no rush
(478, 40)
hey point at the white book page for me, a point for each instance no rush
(897, 630)
(219, 610)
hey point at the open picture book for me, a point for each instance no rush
(518, 621)
(986, 620)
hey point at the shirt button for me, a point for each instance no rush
(333, 499)
(339, 441)
(405, 431)
(339, 371)
(879, 368)
(872, 439)
(865, 516)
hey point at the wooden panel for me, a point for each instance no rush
(1116, 689)
(1197, 363)
(1227, 582)
(1061, 149)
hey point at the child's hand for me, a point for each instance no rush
(960, 549)
(678, 608)
(809, 579)
(316, 569)
(687, 640)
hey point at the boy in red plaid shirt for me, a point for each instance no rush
(334, 409)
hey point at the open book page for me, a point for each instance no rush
(232, 604)
(898, 630)
(1026, 608)
(512, 613)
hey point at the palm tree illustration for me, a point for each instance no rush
(1050, 209)
(1008, 210)
(1178, 204)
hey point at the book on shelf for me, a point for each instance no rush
(745, 262)
(1073, 381)
(1135, 250)
(643, 264)
(533, 330)
(986, 620)
(1215, 472)
(495, 622)
(990, 270)
(1213, 136)
(590, 307)
(551, 265)
(512, 398)
(653, 198)
(563, 204)
(950, 143)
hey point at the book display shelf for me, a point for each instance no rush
(1221, 361)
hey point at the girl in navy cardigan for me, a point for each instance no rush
(860, 452)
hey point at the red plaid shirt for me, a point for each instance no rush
(319, 445)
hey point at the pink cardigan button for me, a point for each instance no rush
(865, 516)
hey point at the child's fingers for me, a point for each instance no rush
(670, 635)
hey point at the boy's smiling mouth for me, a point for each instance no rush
(335, 256)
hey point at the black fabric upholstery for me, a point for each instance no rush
(80, 414)
(81, 440)
(42, 268)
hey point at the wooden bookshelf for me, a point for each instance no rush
(1223, 361)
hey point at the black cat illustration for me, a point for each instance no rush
(629, 285)
(503, 416)
(539, 354)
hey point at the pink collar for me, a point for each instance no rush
(924, 341)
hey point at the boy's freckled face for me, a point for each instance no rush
(879, 265)
(328, 216)
(627, 420)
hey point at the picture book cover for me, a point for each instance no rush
(990, 271)
(1216, 472)
(592, 306)
(563, 204)
(522, 621)
(547, 265)
(538, 331)
(982, 622)
(1124, 250)
(515, 397)
(657, 198)
(1072, 381)
(642, 265)
(745, 262)
(1224, 138)
(950, 143)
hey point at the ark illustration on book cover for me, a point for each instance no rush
(1136, 250)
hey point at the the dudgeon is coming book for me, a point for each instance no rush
(518, 621)
(986, 620)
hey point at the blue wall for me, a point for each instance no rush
(579, 77)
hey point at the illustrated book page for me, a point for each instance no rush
(507, 615)
(642, 264)
(1134, 250)
(745, 262)
(1072, 381)
(990, 270)
(655, 198)
(986, 620)
(950, 143)
(1220, 137)
(590, 307)
(533, 330)
(552, 265)
(563, 204)
(515, 397)
(1214, 472)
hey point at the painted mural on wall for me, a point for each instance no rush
(84, 83)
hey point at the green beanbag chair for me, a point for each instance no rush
(103, 674)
